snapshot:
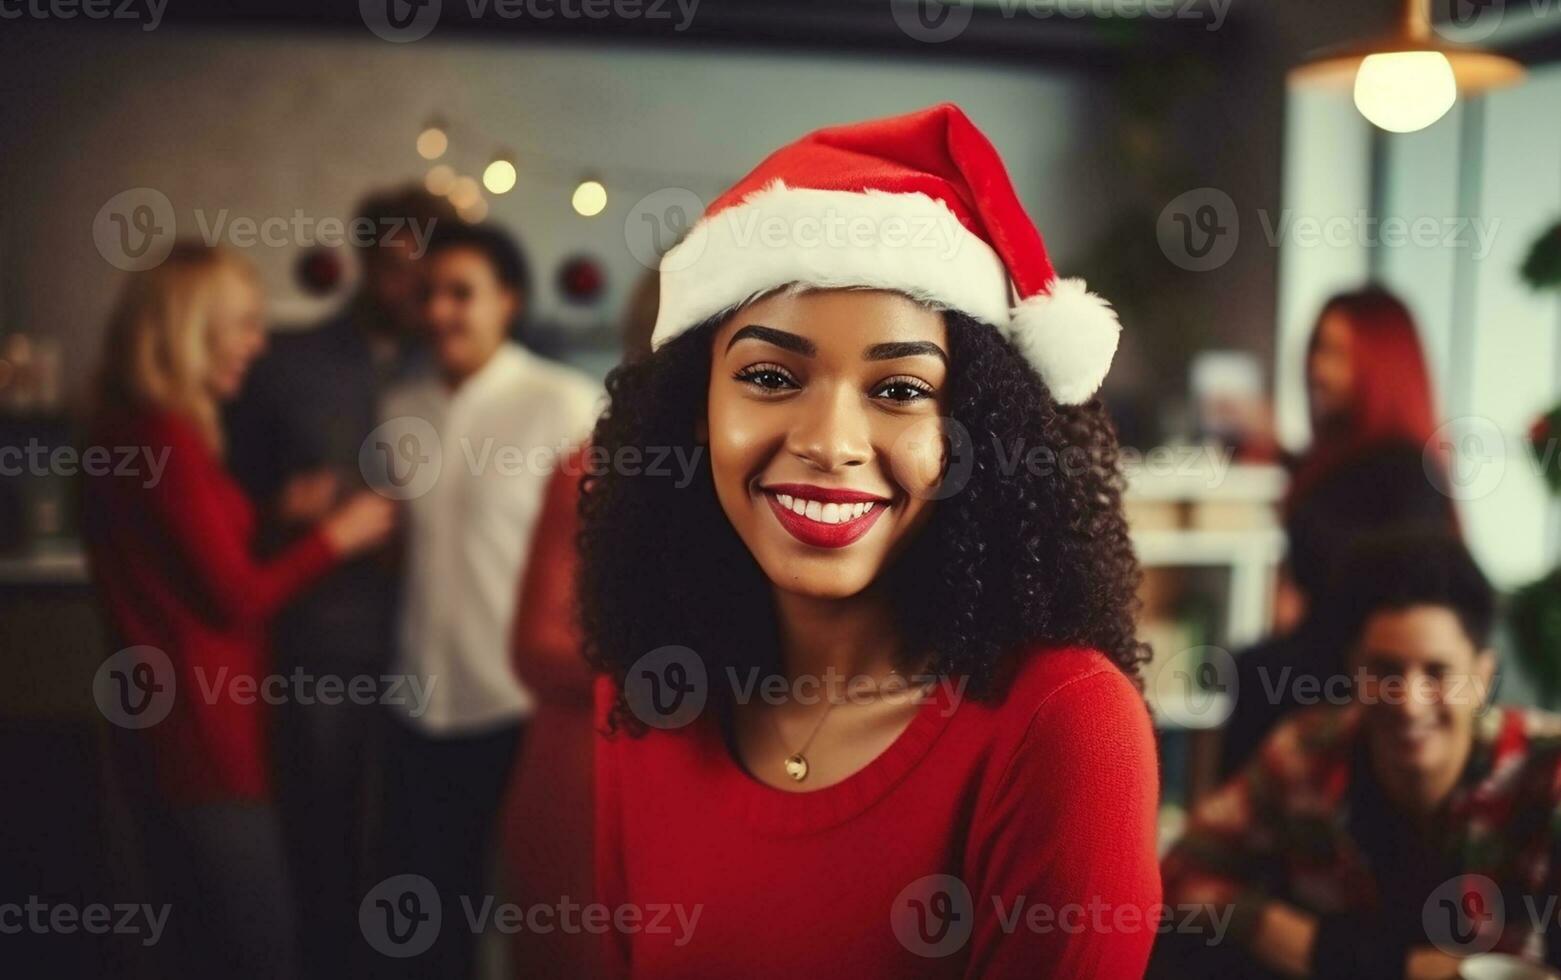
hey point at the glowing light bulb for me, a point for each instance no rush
(432, 142)
(440, 179)
(499, 177)
(474, 212)
(590, 198)
(465, 193)
(1405, 91)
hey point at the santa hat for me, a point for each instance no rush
(919, 204)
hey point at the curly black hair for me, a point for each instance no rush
(1031, 548)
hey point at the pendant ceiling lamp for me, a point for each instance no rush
(1409, 78)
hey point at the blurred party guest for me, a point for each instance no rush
(1353, 845)
(501, 419)
(295, 434)
(548, 820)
(1370, 466)
(175, 562)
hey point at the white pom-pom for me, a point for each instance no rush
(1070, 335)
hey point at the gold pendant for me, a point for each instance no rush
(797, 767)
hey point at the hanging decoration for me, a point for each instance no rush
(581, 280)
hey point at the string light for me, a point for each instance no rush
(590, 198)
(433, 141)
(474, 212)
(440, 179)
(499, 177)
(465, 193)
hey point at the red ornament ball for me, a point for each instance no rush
(581, 279)
(319, 271)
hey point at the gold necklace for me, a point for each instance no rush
(797, 763)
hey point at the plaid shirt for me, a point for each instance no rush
(1282, 829)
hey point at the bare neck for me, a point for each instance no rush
(850, 637)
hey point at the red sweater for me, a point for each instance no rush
(175, 570)
(1041, 805)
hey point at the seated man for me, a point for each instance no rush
(1397, 832)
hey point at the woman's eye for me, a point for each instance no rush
(770, 377)
(903, 390)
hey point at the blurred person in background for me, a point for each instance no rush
(175, 563)
(503, 418)
(548, 814)
(1371, 465)
(1356, 842)
(296, 433)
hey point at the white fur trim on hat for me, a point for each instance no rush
(1070, 335)
(779, 236)
(906, 243)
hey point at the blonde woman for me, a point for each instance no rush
(172, 554)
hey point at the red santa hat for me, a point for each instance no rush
(919, 204)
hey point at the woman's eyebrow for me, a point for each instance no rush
(780, 338)
(908, 348)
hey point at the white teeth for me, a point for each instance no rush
(824, 513)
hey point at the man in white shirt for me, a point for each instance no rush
(471, 450)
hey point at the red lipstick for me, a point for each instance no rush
(825, 495)
(817, 533)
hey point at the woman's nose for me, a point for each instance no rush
(831, 430)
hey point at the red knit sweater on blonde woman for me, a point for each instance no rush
(1013, 838)
(172, 555)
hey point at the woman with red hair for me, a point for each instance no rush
(1371, 464)
(1366, 383)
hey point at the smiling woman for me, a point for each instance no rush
(953, 747)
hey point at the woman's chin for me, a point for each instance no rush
(826, 576)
